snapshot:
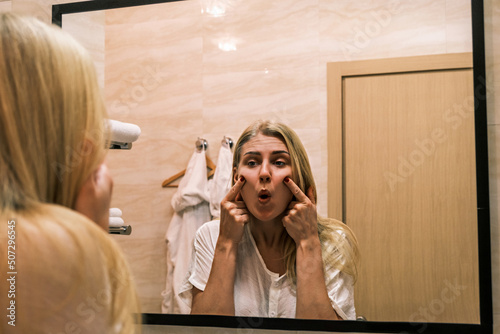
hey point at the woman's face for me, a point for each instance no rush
(264, 163)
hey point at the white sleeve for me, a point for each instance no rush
(201, 261)
(340, 287)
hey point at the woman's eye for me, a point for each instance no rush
(279, 163)
(251, 163)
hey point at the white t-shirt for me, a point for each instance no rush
(259, 292)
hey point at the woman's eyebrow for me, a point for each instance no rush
(272, 153)
(252, 153)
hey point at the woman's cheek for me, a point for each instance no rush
(246, 186)
(288, 193)
(245, 174)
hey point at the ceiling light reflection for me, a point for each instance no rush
(215, 8)
(227, 44)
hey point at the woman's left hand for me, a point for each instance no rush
(301, 219)
(301, 223)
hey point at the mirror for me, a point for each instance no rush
(188, 69)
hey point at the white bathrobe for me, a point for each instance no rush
(221, 183)
(191, 206)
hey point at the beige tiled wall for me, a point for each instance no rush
(89, 30)
(210, 76)
(5, 6)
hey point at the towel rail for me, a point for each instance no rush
(125, 230)
(114, 145)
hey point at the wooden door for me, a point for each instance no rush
(402, 176)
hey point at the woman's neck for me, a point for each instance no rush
(268, 234)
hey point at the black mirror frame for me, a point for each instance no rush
(483, 214)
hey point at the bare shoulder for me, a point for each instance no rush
(68, 269)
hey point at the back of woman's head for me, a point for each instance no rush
(51, 115)
(51, 139)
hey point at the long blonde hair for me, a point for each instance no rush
(338, 242)
(52, 115)
(52, 136)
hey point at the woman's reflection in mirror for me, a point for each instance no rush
(270, 254)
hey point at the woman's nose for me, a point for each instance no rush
(265, 175)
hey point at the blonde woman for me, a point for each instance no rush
(64, 273)
(270, 255)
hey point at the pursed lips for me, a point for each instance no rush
(264, 196)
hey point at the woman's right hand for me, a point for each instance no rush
(234, 214)
(220, 284)
(94, 198)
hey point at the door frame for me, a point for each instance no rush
(335, 138)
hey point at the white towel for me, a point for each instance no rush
(123, 132)
(222, 180)
(191, 206)
(115, 212)
(116, 221)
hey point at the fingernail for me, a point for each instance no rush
(287, 179)
(242, 179)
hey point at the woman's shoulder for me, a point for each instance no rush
(331, 225)
(59, 230)
(211, 227)
(67, 259)
(64, 239)
(208, 232)
(59, 225)
(339, 247)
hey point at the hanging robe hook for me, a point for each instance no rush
(227, 142)
(201, 144)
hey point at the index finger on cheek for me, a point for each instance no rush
(235, 190)
(238, 198)
(299, 195)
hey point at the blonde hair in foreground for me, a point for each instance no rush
(338, 242)
(52, 115)
(71, 276)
